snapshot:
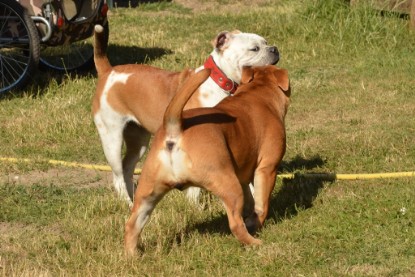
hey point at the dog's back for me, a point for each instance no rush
(239, 129)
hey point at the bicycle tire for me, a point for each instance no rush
(75, 57)
(19, 46)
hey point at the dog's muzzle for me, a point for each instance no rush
(276, 54)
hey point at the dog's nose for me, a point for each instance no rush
(274, 50)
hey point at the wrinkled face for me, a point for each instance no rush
(248, 50)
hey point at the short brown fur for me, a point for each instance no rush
(221, 149)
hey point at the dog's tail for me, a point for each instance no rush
(102, 63)
(172, 121)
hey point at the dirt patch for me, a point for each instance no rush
(9, 233)
(82, 178)
(14, 247)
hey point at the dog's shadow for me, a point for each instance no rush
(134, 3)
(299, 192)
(120, 54)
(288, 198)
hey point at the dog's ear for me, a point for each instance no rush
(283, 80)
(221, 39)
(247, 74)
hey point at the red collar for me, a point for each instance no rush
(219, 77)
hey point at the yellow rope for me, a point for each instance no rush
(360, 176)
(66, 164)
(326, 176)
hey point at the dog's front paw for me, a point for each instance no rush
(256, 242)
(130, 253)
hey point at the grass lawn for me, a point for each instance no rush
(352, 73)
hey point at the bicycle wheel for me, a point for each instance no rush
(19, 46)
(77, 56)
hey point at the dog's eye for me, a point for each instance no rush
(255, 49)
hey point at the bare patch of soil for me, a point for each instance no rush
(82, 178)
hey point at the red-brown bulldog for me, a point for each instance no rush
(221, 149)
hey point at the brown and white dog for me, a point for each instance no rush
(130, 100)
(221, 149)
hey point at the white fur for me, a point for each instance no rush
(240, 53)
(143, 214)
(110, 125)
(210, 95)
(175, 164)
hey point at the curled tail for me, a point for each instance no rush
(102, 63)
(172, 121)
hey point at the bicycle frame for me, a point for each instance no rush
(62, 22)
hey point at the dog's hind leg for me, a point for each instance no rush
(146, 198)
(249, 203)
(249, 215)
(264, 182)
(136, 140)
(229, 190)
(111, 139)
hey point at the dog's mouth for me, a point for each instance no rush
(276, 60)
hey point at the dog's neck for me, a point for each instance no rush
(220, 78)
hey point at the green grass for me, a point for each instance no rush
(352, 111)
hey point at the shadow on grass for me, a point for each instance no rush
(219, 225)
(295, 194)
(42, 79)
(134, 54)
(299, 192)
(130, 55)
(133, 3)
